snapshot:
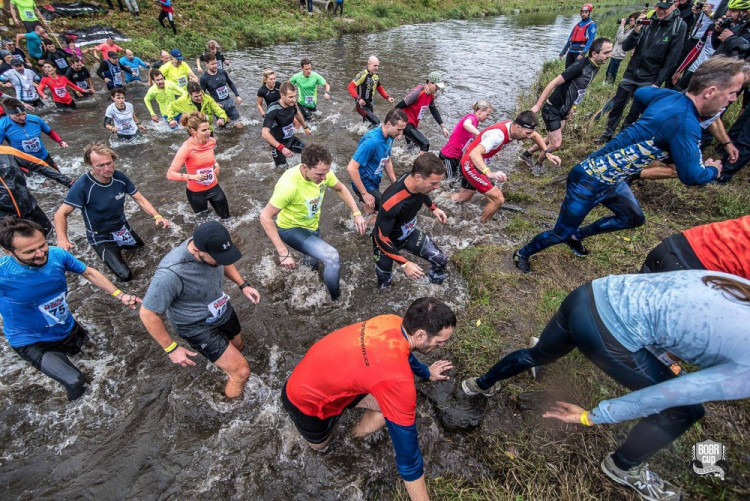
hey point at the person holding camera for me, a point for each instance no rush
(657, 42)
(627, 25)
(734, 32)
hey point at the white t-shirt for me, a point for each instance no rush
(123, 119)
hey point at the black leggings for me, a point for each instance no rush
(51, 358)
(420, 244)
(577, 325)
(111, 254)
(199, 201)
(340, 7)
(672, 254)
(169, 17)
(366, 111)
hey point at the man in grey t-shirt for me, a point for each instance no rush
(187, 286)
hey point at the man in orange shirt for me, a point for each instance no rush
(370, 365)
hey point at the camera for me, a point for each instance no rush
(724, 22)
(643, 22)
(699, 5)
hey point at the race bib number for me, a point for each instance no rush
(288, 130)
(422, 112)
(581, 93)
(310, 101)
(29, 14)
(219, 64)
(222, 92)
(117, 78)
(55, 310)
(407, 228)
(127, 128)
(217, 308)
(313, 206)
(61, 63)
(209, 173)
(84, 85)
(60, 91)
(381, 165)
(29, 94)
(33, 145)
(136, 72)
(123, 237)
(182, 81)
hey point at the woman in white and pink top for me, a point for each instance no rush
(465, 130)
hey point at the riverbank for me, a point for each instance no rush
(529, 457)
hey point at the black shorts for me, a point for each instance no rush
(375, 193)
(552, 117)
(452, 166)
(212, 343)
(70, 345)
(313, 429)
(307, 113)
(412, 135)
(293, 144)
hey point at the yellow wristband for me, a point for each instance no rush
(404, 265)
(356, 214)
(158, 216)
(171, 347)
(117, 292)
(585, 419)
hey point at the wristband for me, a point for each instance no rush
(280, 147)
(158, 216)
(305, 128)
(355, 214)
(547, 151)
(728, 142)
(404, 265)
(117, 292)
(585, 419)
(243, 285)
(433, 206)
(169, 349)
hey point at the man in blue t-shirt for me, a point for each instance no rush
(23, 132)
(135, 64)
(36, 318)
(33, 41)
(100, 194)
(373, 155)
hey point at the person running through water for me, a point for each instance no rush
(396, 226)
(217, 83)
(177, 70)
(622, 323)
(373, 157)
(307, 82)
(212, 48)
(165, 92)
(476, 175)
(196, 100)
(416, 103)
(79, 75)
(371, 365)
(58, 57)
(23, 132)
(120, 117)
(58, 86)
(463, 133)
(23, 80)
(135, 64)
(297, 200)
(187, 286)
(100, 195)
(279, 126)
(110, 71)
(362, 87)
(269, 92)
(37, 321)
(202, 177)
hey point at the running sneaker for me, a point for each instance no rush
(532, 342)
(577, 247)
(522, 263)
(526, 158)
(471, 388)
(537, 170)
(645, 482)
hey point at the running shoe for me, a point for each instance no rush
(537, 170)
(577, 247)
(526, 158)
(645, 482)
(522, 263)
(532, 342)
(471, 388)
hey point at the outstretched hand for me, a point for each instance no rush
(569, 413)
(437, 369)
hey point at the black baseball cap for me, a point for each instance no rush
(212, 238)
(665, 5)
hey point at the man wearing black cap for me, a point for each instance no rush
(477, 176)
(187, 286)
(110, 70)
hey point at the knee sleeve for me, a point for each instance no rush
(57, 366)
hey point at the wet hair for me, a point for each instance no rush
(395, 116)
(429, 314)
(154, 73)
(304, 62)
(99, 149)
(114, 92)
(10, 226)
(427, 165)
(286, 87)
(264, 76)
(481, 105)
(193, 87)
(48, 63)
(527, 119)
(730, 286)
(193, 120)
(596, 45)
(716, 71)
(315, 153)
(11, 103)
(208, 57)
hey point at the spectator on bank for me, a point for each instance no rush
(627, 25)
(580, 38)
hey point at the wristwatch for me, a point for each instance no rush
(243, 285)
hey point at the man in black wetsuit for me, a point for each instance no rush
(278, 125)
(215, 81)
(362, 87)
(396, 226)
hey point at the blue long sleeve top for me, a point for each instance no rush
(577, 48)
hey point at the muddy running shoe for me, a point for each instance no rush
(471, 388)
(522, 263)
(577, 247)
(526, 158)
(537, 170)
(645, 482)
(534, 370)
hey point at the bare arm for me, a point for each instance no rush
(546, 93)
(14, 14)
(230, 271)
(149, 209)
(97, 279)
(267, 215)
(260, 107)
(389, 171)
(61, 226)
(353, 170)
(537, 138)
(266, 134)
(469, 127)
(343, 192)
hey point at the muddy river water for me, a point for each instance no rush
(150, 430)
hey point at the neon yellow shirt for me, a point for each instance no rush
(163, 96)
(300, 200)
(25, 9)
(178, 75)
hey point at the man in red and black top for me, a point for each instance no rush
(362, 90)
(416, 103)
(722, 246)
(371, 365)
(396, 226)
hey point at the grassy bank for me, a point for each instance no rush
(241, 23)
(527, 456)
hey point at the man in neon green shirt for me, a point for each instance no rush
(164, 91)
(297, 200)
(26, 12)
(307, 82)
(196, 100)
(177, 70)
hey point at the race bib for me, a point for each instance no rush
(127, 128)
(84, 85)
(209, 173)
(407, 228)
(422, 111)
(381, 165)
(313, 206)
(61, 63)
(33, 145)
(288, 130)
(220, 64)
(123, 237)
(182, 81)
(55, 310)
(310, 101)
(29, 94)
(581, 93)
(117, 79)
(222, 92)
(29, 14)
(217, 308)
(136, 72)
(60, 91)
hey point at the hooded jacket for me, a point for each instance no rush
(15, 197)
(657, 50)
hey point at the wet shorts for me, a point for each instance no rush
(472, 179)
(552, 117)
(412, 135)
(314, 429)
(212, 343)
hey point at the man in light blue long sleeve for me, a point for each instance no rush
(135, 64)
(581, 37)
